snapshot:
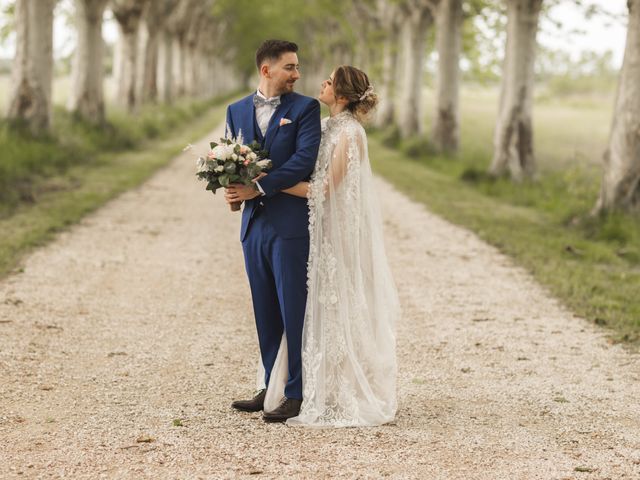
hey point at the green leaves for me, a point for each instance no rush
(224, 180)
(248, 23)
(230, 167)
(213, 185)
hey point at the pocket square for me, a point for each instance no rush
(284, 121)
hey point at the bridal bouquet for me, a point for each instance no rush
(232, 162)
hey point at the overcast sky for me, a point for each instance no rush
(600, 33)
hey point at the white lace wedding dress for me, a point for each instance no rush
(348, 349)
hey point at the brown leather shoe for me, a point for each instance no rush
(254, 405)
(288, 408)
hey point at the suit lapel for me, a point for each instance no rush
(274, 123)
(249, 122)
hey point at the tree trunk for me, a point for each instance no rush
(30, 98)
(386, 109)
(513, 140)
(621, 179)
(86, 98)
(414, 45)
(128, 14)
(165, 68)
(179, 65)
(192, 51)
(449, 40)
(177, 25)
(155, 19)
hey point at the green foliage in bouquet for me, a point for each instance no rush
(229, 162)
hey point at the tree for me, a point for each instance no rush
(620, 187)
(194, 36)
(86, 97)
(178, 25)
(417, 20)
(154, 22)
(513, 140)
(448, 40)
(30, 97)
(390, 16)
(128, 14)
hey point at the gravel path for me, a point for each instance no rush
(123, 342)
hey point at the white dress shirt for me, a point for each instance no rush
(264, 113)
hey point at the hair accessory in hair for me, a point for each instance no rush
(366, 93)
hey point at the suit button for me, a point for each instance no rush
(262, 204)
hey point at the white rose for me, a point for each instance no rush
(263, 163)
(252, 156)
(234, 157)
(222, 152)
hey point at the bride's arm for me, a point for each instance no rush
(301, 189)
(337, 166)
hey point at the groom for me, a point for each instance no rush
(274, 231)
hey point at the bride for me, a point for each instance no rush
(348, 350)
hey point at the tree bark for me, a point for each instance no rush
(414, 39)
(87, 98)
(385, 114)
(620, 189)
(513, 140)
(192, 39)
(178, 25)
(165, 68)
(128, 14)
(30, 97)
(449, 41)
(154, 26)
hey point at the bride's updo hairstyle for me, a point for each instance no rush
(353, 84)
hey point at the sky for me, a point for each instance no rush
(600, 33)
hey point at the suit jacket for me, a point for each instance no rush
(293, 149)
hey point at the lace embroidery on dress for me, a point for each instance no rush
(349, 364)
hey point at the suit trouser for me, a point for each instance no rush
(277, 271)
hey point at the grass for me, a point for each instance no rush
(84, 168)
(592, 264)
(30, 166)
(60, 90)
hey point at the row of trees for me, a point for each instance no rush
(406, 25)
(201, 48)
(165, 49)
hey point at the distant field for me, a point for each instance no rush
(566, 131)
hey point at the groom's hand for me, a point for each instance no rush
(237, 192)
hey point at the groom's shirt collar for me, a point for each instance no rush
(259, 93)
(264, 113)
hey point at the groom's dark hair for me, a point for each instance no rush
(273, 49)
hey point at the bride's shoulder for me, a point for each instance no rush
(323, 123)
(344, 122)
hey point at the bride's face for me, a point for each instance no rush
(327, 96)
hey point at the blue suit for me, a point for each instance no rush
(275, 226)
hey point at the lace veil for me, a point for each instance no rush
(349, 360)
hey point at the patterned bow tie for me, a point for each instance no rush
(259, 101)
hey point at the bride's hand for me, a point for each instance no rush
(260, 176)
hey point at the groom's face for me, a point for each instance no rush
(284, 73)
